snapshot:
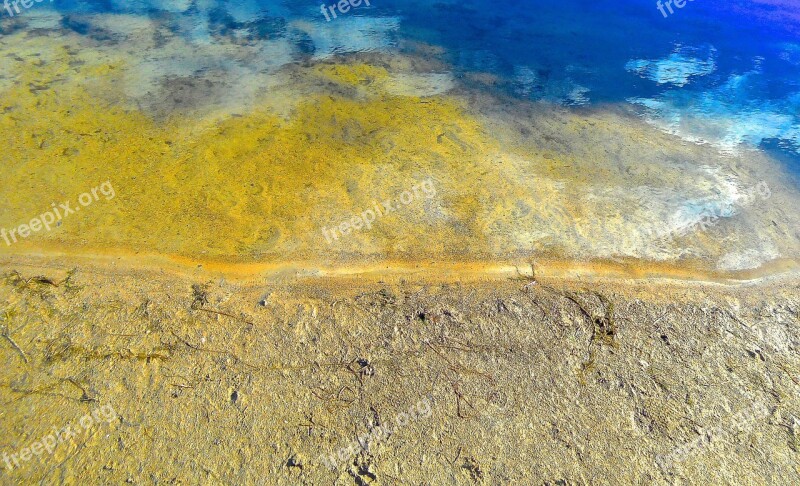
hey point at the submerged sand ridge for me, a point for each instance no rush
(333, 138)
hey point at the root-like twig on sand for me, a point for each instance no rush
(14, 344)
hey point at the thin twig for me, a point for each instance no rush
(14, 345)
(219, 313)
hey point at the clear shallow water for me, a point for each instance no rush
(720, 71)
(244, 129)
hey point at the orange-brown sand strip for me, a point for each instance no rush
(431, 270)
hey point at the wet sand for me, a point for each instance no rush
(559, 380)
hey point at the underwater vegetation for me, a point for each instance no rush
(220, 152)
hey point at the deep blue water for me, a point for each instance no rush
(726, 72)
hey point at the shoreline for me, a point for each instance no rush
(433, 271)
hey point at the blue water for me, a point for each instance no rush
(722, 72)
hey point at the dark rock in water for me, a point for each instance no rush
(267, 28)
(304, 43)
(222, 24)
(83, 26)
